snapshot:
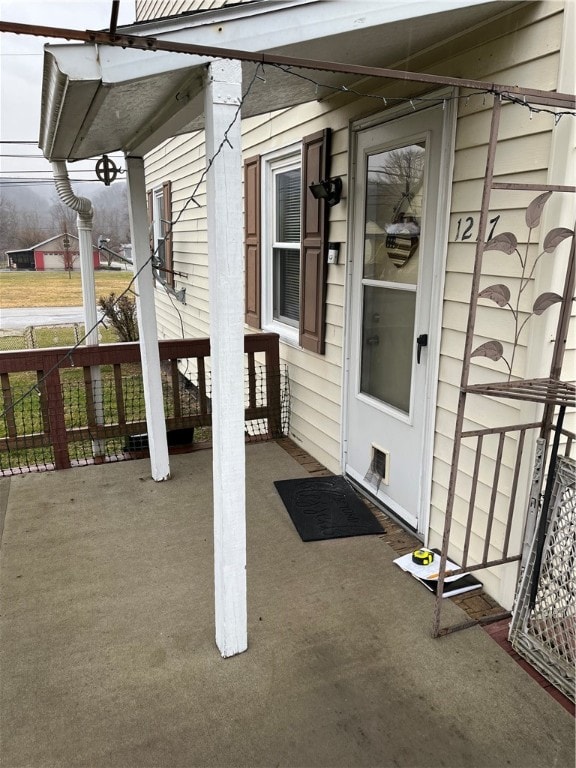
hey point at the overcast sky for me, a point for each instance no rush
(21, 60)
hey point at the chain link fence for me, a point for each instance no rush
(543, 630)
(36, 337)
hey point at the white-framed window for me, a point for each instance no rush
(160, 213)
(280, 295)
(281, 208)
(158, 242)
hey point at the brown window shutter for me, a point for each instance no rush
(166, 228)
(252, 240)
(314, 243)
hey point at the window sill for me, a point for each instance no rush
(288, 335)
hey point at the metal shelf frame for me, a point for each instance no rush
(551, 392)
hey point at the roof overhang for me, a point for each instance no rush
(100, 98)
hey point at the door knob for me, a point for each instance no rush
(421, 341)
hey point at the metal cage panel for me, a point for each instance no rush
(545, 633)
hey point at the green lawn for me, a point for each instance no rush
(56, 289)
(32, 289)
(28, 420)
(27, 413)
(53, 336)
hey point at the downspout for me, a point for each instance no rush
(84, 211)
(83, 208)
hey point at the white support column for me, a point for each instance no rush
(226, 275)
(151, 376)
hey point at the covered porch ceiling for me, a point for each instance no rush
(99, 98)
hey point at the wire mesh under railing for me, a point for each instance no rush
(34, 452)
(106, 421)
(256, 384)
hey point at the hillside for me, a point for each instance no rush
(31, 212)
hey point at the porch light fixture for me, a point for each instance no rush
(329, 190)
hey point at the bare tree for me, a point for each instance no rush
(19, 229)
(31, 230)
(63, 219)
(28, 217)
(395, 180)
(111, 218)
(69, 257)
(8, 224)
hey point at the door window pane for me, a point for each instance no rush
(394, 184)
(387, 343)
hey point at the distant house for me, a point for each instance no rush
(57, 253)
(126, 251)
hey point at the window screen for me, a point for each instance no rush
(288, 206)
(286, 249)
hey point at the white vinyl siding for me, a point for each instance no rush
(315, 380)
(156, 9)
(182, 160)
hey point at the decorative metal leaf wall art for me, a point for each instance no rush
(544, 301)
(492, 349)
(500, 294)
(506, 242)
(534, 210)
(555, 237)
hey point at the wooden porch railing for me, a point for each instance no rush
(262, 384)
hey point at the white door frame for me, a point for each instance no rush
(448, 98)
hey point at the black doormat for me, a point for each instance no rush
(326, 508)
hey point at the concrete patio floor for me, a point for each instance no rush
(108, 654)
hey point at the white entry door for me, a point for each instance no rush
(397, 252)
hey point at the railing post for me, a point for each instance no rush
(55, 409)
(273, 388)
(8, 406)
(202, 394)
(251, 380)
